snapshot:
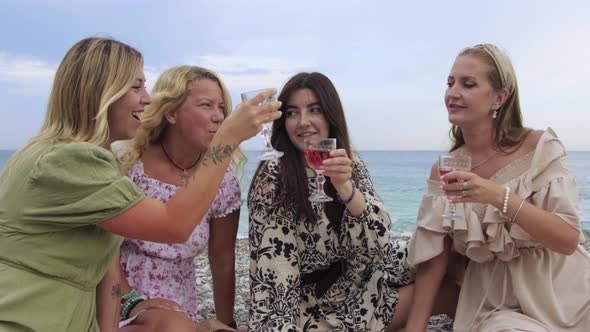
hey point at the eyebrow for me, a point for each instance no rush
(309, 105)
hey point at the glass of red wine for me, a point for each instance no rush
(269, 152)
(446, 164)
(316, 151)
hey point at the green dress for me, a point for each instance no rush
(52, 255)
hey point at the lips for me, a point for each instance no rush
(306, 134)
(455, 107)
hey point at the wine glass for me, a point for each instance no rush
(316, 151)
(448, 163)
(269, 152)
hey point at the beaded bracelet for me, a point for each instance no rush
(128, 302)
(506, 196)
(345, 202)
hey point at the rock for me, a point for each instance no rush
(207, 310)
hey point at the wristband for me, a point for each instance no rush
(128, 302)
(346, 201)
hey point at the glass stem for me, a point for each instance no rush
(320, 179)
(452, 211)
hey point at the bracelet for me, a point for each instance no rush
(518, 210)
(128, 302)
(506, 196)
(346, 201)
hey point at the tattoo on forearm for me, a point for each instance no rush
(217, 154)
(116, 291)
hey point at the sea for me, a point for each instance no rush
(400, 178)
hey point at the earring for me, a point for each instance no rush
(495, 114)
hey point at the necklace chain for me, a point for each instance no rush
(184, 176)
(483, 162)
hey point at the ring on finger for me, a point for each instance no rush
(465, 193)
(465, 185)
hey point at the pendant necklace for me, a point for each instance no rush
(184, 176)
(483, 162)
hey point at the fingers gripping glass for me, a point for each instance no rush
(316, 151)
(269, 152)
(446, 164)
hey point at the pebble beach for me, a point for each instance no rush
(204, 288)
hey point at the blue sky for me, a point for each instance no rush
(388, 59)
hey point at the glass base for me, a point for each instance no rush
(270, 154)
(451, 216)
(320, 197)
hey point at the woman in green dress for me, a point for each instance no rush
(65, 204)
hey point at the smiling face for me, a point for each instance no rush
(200, 115)
(124, 114)
(470, 97)
(304, 118)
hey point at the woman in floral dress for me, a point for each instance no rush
(321, 266)
(189, 104)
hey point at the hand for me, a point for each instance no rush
(247, 119)
(339, 168)
(471, 188)
(156, 303)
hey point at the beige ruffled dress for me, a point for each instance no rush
(512, 282)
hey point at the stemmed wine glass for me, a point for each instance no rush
(316, 151)
(269, 152)
(448, 163)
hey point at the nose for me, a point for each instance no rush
(452, 92)
(146, 99)
(304, 119)
(218, 115)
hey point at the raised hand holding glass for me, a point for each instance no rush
(269, 152)
(448, 163)
(316, 151)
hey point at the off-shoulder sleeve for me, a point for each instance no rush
(274, 259)
(77, 184)
(229, 196)
(368, 233)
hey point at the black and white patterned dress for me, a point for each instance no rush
(283, 247)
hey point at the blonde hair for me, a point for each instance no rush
(508, 125)
(93, 74)
(169, 93)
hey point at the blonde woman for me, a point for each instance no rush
(521, 231)
(64, 200)
(189, 105)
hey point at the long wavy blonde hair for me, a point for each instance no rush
(169, 93)
(93, 74)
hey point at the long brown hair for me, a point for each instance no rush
(508, 125)
(293, 187)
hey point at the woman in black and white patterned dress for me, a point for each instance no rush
(321, 266)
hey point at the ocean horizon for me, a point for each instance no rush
(400, 178)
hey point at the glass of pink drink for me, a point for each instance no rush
(446, 164)
(316, 151)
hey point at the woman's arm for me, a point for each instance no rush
(222, 247)
(544, 226)
(175, 220)
(429, 276)
(108, 296)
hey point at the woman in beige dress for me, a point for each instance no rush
(520, 229)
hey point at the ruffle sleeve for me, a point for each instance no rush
(547, 184)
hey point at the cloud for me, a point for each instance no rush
(250, 72)
(25, 75)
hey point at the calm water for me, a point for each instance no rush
(400, 178)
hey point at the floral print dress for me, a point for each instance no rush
(284, 247)
(168, 270)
